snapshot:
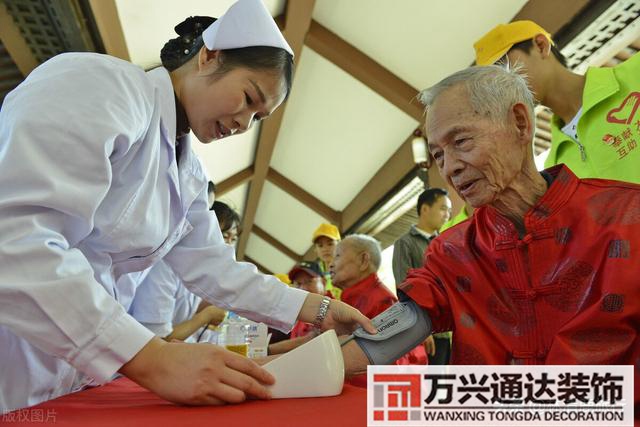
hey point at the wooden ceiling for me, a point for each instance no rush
(301, 30)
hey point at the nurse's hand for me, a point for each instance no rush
(341, 317)
(197, 374)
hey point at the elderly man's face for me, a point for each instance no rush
(479, 158)
(346, 266)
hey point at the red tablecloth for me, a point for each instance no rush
(123, 403)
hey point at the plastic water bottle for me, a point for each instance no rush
(258, 341)
(234, 336)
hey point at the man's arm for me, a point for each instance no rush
(288, 345)
(400, 329)
(426, 291)
(210, 315)
(355, 360)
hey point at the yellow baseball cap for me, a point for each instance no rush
(327, 230)
(497, 42)
(284, 278)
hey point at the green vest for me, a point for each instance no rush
(460, 216)
(609, 128)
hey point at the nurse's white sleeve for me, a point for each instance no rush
(57, 133)
(209, 269)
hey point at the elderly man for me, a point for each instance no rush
(354, 270)
(546, 271)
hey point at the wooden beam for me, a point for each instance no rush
(297, 21)
(261, 267)
(548, 15)
(388, 176)
(303, 196)
(234, 181)
(15, 43)
(275, 243)
(107, 19)
(310, 255)
(365, 69)
(396, 168)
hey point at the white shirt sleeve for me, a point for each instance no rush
(57, 133)
(207, 267)
(155, 300)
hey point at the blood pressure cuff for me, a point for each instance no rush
(401, 328)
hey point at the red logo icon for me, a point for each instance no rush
(625, 113)
(397, 397)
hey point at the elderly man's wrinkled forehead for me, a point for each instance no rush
(344, 246)
(350, 248)
(451, 111)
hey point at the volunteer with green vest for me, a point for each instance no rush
(325, 239)
(596, 123)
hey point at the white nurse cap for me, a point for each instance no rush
(246, 23)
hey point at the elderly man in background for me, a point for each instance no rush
(546, 271)
(354, 270)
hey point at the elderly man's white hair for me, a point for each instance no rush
(492, 89)
(364, 243)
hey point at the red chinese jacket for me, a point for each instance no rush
(567, 292)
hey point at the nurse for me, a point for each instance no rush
(99, 181)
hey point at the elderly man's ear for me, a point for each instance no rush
(365, 261)
(522, 121)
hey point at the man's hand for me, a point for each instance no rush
(341, 317)
(214, 315)
(197, 374)
(430, 346)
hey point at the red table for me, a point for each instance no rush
(123, 403)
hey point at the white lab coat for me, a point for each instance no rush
(90, 191)
(162, 301)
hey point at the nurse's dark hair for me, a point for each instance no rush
(527, 45)
(227, 217)
(176, 52)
